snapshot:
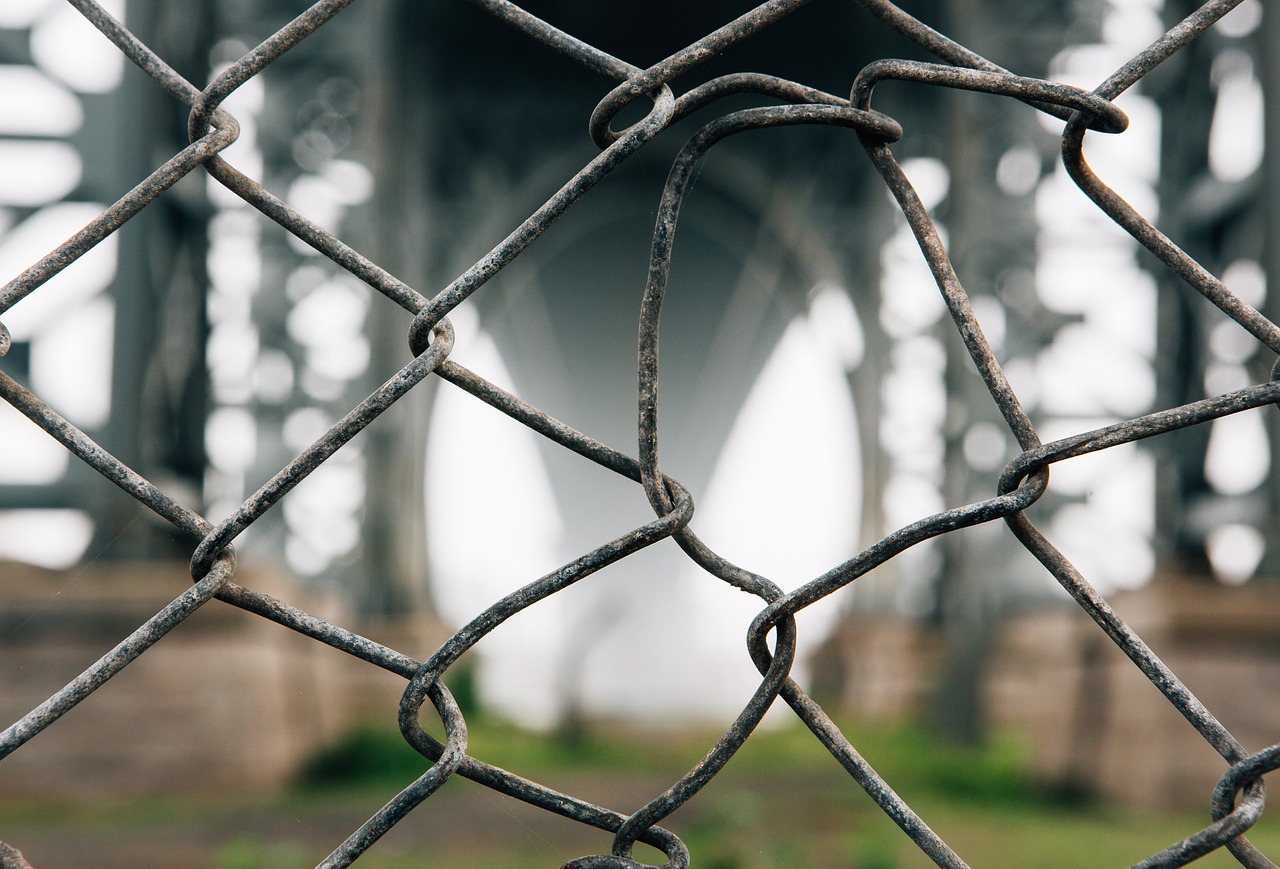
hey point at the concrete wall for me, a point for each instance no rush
(230, 701)
(226, 700)
(1088, 714)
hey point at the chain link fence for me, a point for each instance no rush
(1239, 797)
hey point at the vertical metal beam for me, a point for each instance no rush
(1180, 339)
(158, 372)
(1269, 194)
(400, 151)
(974, 583)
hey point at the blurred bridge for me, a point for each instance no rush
(397, 129)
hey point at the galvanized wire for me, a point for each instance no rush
(1239, 798)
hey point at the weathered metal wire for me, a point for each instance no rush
(1026, 478)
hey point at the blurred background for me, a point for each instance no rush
(815, 397)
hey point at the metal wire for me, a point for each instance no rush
(1239, 797)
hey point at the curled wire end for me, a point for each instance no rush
(9, 855)
(420, 330)
(6, 341)
(205, 558)
(423, 330)
(603, 861)
(1275, 369)
(677, 858)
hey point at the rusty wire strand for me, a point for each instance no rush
(430, 337)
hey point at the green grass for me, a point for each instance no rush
(253, 854)
(993, 774)
(782, 802)
(374, 754)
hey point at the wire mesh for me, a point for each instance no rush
(1239, 797)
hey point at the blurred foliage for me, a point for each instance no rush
(910, 756)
